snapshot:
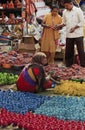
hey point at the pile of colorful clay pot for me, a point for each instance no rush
(69, 87)
(20, 102)
(36, 112)
(31, 121)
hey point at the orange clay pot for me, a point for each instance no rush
(6, 65)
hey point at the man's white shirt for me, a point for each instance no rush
(71, 19)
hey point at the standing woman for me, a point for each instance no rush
(50, 34)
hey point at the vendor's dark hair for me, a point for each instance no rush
(67, 1)
(54, 6)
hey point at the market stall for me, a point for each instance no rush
(34, 111)
(60, 108)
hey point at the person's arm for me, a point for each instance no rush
(62, 24)
(39, 76)
(80, 16)
(44, 21)
(44, 24)
(74, 28)
(81, 20)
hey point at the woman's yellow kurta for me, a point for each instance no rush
(49, 35)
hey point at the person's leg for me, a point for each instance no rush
(80, 48)
(51, 58)
(69, 52)
(47, 54)
(47, 84)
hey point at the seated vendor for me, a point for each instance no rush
(33, 78)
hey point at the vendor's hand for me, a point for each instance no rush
(48, 77)
(47, 26)
(54, 27)
(57, 27)
(51, 27)
(72, 30)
